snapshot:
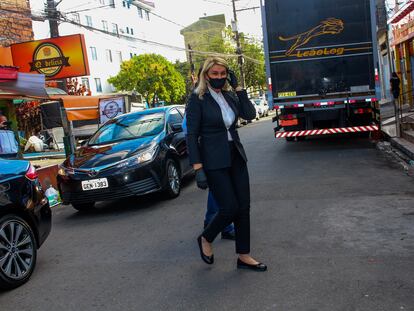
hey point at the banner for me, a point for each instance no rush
(110, 108)
(56, 58)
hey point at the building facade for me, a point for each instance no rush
(199, 35)
(15, 22)
(401, 24)
(114, 31)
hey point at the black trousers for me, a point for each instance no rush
(231, 189)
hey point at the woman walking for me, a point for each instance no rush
(218, 156)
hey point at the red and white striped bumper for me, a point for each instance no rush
(339, 130)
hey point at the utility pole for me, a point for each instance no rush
(239, 50)
(192, 67)
(53, 18)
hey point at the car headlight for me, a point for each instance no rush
(62, 172)
(147, 155)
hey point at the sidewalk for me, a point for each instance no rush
(405, 143)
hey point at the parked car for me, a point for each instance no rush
(25, 221)
(261, 106)
(131, 155)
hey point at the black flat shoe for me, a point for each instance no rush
(260, 267)
(207, 259)
(228, 235)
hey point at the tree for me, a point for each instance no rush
(151, 75)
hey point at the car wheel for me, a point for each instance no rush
(84, 207)
(173, 184)
(18, 251)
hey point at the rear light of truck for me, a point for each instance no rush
(288, 117)
(362, 110)
(288, 122)
(31, 173)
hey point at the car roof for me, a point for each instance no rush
(165, 109)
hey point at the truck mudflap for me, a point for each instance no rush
(330, 131)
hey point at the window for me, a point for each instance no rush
(102, 2)
(127, 30)
(175, 117)
(147, 15)
(94, 55)
(108, 56)
(131, 55)
(132, 31)
(85, 82)
(119, 56)
(123, 4)
(98, 85)
(112, 3)
(115, 28)
(126, 4)
(105, 25)
(88, 20)
(140, 14)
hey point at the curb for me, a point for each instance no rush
(404, 146)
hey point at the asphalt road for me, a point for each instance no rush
(332, 218)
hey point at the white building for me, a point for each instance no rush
(127, 23)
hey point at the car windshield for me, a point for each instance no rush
(128, 127)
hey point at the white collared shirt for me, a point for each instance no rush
(226, 111)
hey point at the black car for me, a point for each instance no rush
(134, 154)
(25, 221)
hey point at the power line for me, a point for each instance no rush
(184, 49)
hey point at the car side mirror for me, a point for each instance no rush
(176, 127)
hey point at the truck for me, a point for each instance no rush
(321, 66)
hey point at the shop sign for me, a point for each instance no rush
(403, 32)
(110, 108)
(56, 58)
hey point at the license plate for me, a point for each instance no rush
(94, 184)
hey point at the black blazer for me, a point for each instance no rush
(207, 139)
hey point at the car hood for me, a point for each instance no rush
(11, 168)
(98, 156)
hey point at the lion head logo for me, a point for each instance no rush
(329, 26)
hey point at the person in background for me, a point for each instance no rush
(395, 85)
(218, 157)
(3, 121)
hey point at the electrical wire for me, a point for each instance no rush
(204, 53)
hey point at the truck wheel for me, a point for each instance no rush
(290, 138)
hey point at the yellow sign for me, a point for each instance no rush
(330, 26)
(48, 59)
(286, 94)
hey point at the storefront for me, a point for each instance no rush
(402, 24)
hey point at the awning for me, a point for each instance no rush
(80, 107)
(27, 84)
(403, 12)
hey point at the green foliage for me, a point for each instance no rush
(151, 75)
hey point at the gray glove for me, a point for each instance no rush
(232, 79)
(201, 179)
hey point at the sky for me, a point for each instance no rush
(186, 12)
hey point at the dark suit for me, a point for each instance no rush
(224, 162)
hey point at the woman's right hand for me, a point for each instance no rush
(201, 179)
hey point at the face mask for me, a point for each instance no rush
(217, 83)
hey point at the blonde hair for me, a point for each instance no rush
(202, 86)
